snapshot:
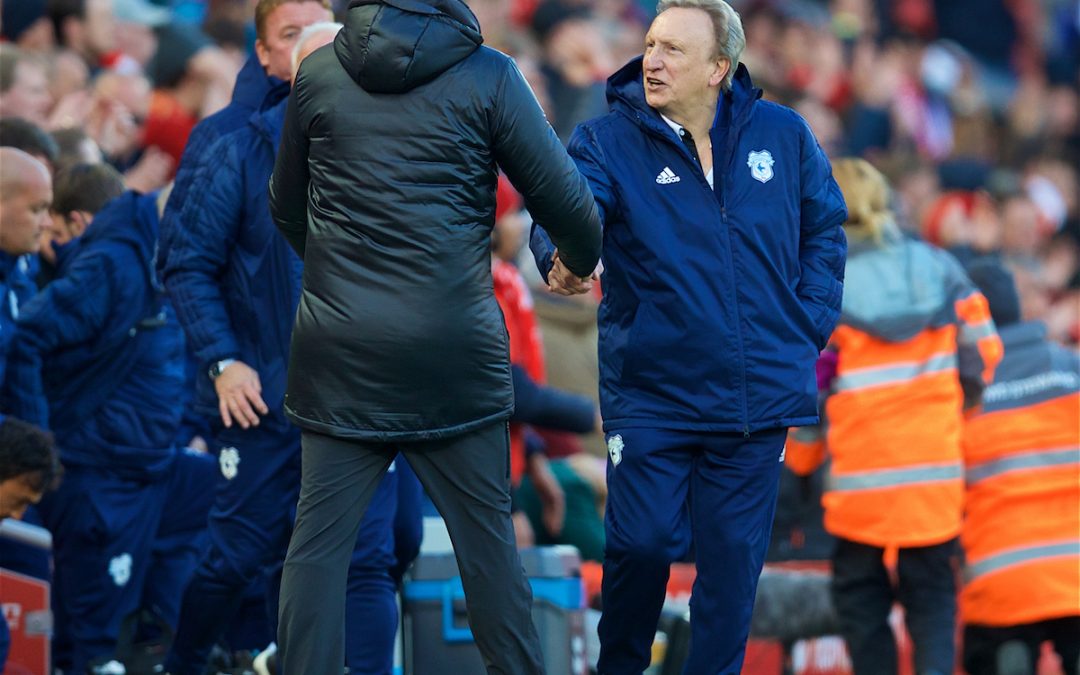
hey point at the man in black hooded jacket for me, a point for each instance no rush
(385, 185)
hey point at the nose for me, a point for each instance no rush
(652, 61)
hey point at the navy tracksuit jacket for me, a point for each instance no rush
(110, 392)
(716, 303)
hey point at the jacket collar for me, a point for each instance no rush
(255, 89)
(268, 123)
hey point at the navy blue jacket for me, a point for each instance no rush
(254, 91)
(98, 354)
(16, 288)
(233, 279)
(716, 302)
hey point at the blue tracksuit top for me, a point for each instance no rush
(232, 277)
(98, 355)
(16, 288)
(716, 301)
(254, 91)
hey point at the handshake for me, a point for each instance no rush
(564, 282)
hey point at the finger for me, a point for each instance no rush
(246, 410)
(241, 411)
(223, 408)
(253, 394)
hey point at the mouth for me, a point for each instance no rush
(654, 83)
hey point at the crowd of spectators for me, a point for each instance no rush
(977, 123)
(970, 108)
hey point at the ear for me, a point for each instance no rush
(720, 71)
(80, 220)
(262, 52)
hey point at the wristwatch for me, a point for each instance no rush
(218, 367)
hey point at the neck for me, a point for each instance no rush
(698, 117)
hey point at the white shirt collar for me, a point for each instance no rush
(675, 126)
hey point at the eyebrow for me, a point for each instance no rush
(667, 42)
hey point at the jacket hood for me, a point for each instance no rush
(897, 291)
(626, 93)
(131, 219)
(255, 89)
(393, 46)
(269, 123)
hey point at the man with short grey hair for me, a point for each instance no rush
(723, 268)
(236, 283)
(311, 38)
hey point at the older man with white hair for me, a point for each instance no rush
(724, 261)
(235, 283)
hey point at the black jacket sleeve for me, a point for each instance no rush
(289, 182)
(556, 194)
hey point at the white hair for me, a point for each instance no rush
(308, 33)
(727, 27)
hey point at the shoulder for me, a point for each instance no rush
(489, 58)
(601, 130)
(318, 68)
(214, 126)
(227, 148)
(779, 114)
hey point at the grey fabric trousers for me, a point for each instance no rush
(468, 479)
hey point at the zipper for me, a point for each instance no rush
(721, 176)
(744, 391)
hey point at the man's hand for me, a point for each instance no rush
(564, 282)
(552, 498)
(240, 395)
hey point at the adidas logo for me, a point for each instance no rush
(667, 176)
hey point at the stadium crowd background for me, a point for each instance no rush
(971, 108)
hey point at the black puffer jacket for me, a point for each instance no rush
(385, 185)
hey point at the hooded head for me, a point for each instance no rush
(393, 46)
(866, 193)
(996, 283)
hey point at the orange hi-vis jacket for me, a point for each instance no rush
(915, 340)
(1021, 531)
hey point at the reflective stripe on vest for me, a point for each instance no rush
(807, 434)
(886, 478)
(972, 333)
(894, 373)
(1030, 460)
(1019, 556)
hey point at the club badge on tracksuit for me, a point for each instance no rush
(229, 459)
(615, 448)
(120, 569)
(761, 165)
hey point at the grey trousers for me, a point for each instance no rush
(468, 479)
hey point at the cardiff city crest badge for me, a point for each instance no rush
(761, 165)
(615, 448)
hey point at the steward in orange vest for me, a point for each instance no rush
(915, 345)
(1021, 533)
